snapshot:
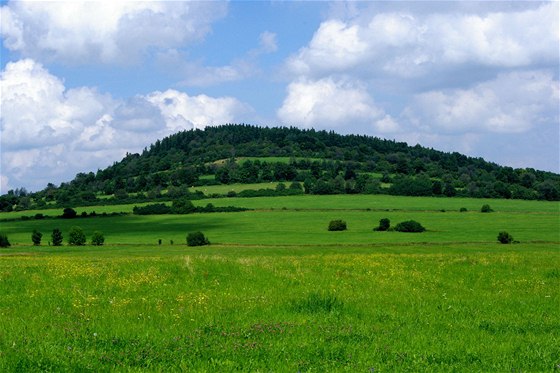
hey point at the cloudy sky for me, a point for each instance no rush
(85, 82)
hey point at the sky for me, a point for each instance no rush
(83, 83)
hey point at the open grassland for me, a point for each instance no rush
(277, 292)
(303, 220)
(292, 309)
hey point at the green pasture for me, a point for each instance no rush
(288, 227)
(303, 220)
(278, 292)
(172, 308)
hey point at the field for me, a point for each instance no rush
(277, 292)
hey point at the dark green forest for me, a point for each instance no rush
(308, 161)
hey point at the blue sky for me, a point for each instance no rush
(85, 82)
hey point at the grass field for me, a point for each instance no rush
(277, 292)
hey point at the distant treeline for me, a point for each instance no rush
(182, 207)
(321, 162)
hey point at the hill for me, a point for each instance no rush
(314, 162)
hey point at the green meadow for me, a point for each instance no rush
(276, 291)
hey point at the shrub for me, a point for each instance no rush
(69, 213)
(384, 225)
(36, 237)
(97, 239)
(56, 237)
(486, 208)
(4, 240)
(463, 209)
(505, 237)
(197, 239)
(337, 225)
(410, 226)
(76, 237)
(182, 206)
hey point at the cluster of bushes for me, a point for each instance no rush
(182, 207)
(409, 226)
(76, 237)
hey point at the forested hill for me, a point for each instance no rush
(317, 162)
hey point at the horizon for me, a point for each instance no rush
(85, 83)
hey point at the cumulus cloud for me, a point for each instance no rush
(412, 44)
(514, 102)
(48, 133)
(329, 103)
(103, 32)
(183, 111)
(37, 109)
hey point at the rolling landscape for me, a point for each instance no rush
(279, 186)
(271, 287)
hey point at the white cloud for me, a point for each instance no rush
(48, 133)
(327, 103)
(408, 45)
(512, 103)
(105, 32)
(37, 109)
(182, 111)
(335, 46)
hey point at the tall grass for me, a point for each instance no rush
(253, 309)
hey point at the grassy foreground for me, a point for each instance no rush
(223, 309)
(277, 292)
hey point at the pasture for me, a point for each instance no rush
(277, 292)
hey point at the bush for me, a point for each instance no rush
(97, 239)
(56, 237)
(36, 237)
(76, 237)
(486, 208)
(410, 226)
(505, 237)
(4, 240)
(69, 213)
(463, 209)
(384, 225)
(197, 239)
(337, 225)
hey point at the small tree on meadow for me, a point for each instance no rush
(486, 208)
(197, 239)
(337, 225)
(36, 237)
(384, 225)
(56, 237)
(4, 240)
(76, 237)
(505, 237)
(97, 239)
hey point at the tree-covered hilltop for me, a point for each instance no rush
(314, 162)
